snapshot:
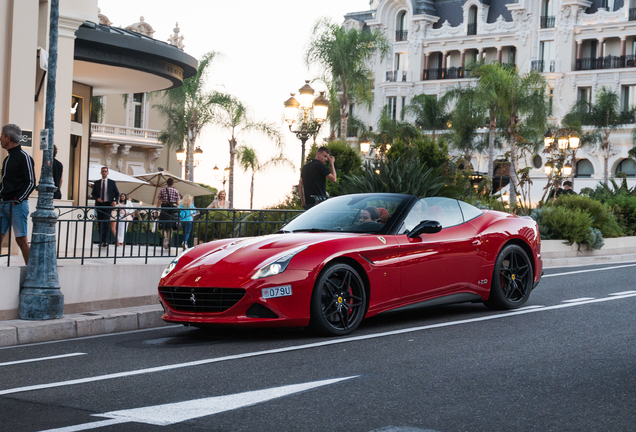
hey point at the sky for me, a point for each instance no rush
(262, 45)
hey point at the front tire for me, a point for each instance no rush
(338, 301)
(512, 279)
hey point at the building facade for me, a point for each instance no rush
(579, 46)
(93, 59)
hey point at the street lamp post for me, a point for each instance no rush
(198, 158)
(226, 173)
(310, 111)
(561, 161)
(41, 297)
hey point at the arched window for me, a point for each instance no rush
(472, 20)
(401, 32)
(584, 168)
(627, 166)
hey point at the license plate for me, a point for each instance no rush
(281, 291)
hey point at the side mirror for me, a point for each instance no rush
(425, 227)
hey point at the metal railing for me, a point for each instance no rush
(607, 62)
(547, 21)
(632, 14)
(445, 73)
(543, 65)
(472, 29)
(397, 75)
(78, 230)
(401, 35)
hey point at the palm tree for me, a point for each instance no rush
(605, 115)
(343, 55)
(187, 110)
(491, 83)
(248, 160)
(429, 113)
(516, 99)
(231, 114)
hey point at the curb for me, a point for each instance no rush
(588, 260)
(20, 332)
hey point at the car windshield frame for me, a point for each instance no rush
(341, 213)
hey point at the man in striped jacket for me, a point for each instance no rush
(18, 181)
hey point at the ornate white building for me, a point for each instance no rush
(579, 46)
(125, 137)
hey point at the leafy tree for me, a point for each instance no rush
(428, 112)
(187, 110)
(343, 55)
(423, 149)
(231, 115)
(204, 200)
(348, 162)
(249, 160)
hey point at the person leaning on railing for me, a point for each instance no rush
(168, 197)
(18, 181)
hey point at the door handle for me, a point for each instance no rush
(477, 241)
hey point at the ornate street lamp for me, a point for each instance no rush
(226, 173)
(309, 110)
(198, 156)
(561, 148)
(181, 155)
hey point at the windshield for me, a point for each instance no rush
(360, 213)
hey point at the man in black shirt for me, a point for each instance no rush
(58, 169)
(18, 181)
(313, 178)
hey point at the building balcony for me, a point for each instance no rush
(547, 21)
(401, 35)
(472, 29)
(607, 62)
(398, 76)
(543, 66)
(105, 133)
(443, 73)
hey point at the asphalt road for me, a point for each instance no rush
(565, 362)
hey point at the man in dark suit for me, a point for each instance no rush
(105, 194)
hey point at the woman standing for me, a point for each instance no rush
(125, 216)
(186, 219)
(220, 202)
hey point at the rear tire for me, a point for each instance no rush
(512, 279)
(338, 302)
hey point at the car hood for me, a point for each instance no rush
(246, 255)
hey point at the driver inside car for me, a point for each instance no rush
(369, 214)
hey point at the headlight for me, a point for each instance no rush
(279, 265)
(172, 265)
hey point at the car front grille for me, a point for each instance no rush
(201, 300)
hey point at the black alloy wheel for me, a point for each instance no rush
(512, 279)
(338, 302)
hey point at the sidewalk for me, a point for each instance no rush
(19, 332)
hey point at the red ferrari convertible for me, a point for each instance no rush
(355, 256)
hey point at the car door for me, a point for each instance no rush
(442, 263)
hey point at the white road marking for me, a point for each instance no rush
(578, 300)
(530, 307)
(41, 359)
(587, 271)
(87, 426)
(622, 293)
(167, 414)
(305, 346)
